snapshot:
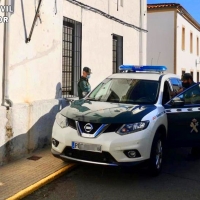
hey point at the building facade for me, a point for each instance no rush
(173, 39)
(40, 70)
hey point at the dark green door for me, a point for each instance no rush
(183, 114)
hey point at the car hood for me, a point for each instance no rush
(106, 112)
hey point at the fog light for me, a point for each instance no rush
(133, 153)
(55, 142)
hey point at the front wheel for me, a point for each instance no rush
(156, 158)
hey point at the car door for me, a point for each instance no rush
(183, 114)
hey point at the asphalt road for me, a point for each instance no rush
(180, 180)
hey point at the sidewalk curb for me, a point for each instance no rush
(42, 182)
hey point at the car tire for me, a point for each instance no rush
(156, 157)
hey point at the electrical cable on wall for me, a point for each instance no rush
(95, 10)
(38, 14)
(34, 21)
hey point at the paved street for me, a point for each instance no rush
(180, 180)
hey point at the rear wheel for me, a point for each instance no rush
(156, 158)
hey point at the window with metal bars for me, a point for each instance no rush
(71, 57)
(117, 52)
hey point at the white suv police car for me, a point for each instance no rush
(127, 118)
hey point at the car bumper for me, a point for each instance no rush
(113, 145)
(64, 157)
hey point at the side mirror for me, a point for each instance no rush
(177, 101)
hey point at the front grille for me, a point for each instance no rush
(95, 127)
(113, 128)
(103, 157)
(71, 123)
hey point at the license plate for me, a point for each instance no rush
(86, 147)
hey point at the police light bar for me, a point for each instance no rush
(143, 68)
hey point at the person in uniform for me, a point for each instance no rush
(83, 85)
(187, 81)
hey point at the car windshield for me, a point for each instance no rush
(126, 91)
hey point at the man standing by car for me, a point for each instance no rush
(187, 81)
(83, 85)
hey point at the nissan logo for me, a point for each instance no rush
(88, 127)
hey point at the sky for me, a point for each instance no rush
(192, 6)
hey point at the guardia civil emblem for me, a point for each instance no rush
(194, 125)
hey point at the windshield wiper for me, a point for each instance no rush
(93, 99)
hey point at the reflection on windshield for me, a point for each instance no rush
(126, 91)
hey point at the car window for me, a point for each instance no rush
(192, 95)
(104, 88)
(126, 91)
(180, 82)
(166, 93)
(96, 93)
(176, 84)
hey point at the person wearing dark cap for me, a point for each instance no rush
(187, 81)
(83, 85)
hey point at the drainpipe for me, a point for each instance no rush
(140, 35)
(5, 85)
(5, 80)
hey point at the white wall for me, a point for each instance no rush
(128, 13)
(31, 128)
(35, 67)
(160, 39)
(185, 60)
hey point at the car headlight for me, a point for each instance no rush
(61, 120)
(131, 128)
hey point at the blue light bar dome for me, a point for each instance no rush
(142, 68)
